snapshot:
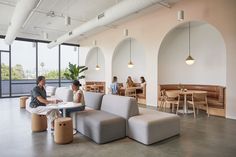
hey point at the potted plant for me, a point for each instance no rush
(74, 72)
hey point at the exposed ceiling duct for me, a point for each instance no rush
(21, 13)
(112, 14)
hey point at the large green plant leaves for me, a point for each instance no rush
(74, 72)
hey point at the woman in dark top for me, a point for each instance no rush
(39, 101)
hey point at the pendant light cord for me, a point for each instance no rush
(189, 38)
(130, 49)
(97, 55)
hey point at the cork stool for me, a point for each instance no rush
(38, 122)
(63, 132)
(23, 101)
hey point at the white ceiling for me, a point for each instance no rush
(79, 10)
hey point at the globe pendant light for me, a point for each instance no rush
(97, 66)
(130, 63)
(189, 60)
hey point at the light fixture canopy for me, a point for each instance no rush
(95, 42)
(45, 35)
(67, 20)
(75, 48)
(180, 15)
(33, 44)
(126, 32)
(189, 60)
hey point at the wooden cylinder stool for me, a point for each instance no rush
(63, 130)
(38, 122)
(23, 101)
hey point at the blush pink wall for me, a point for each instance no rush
(150, 30)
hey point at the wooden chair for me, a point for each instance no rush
(171, 98)
(199, 99)
(162, 99)
(130, 92)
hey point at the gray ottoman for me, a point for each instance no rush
(152, 127)
(101, 126)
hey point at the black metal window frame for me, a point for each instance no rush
(36, 59)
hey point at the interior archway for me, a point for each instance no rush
(94, 57)
(207, 48)
(121, 57)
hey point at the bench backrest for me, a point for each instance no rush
(125, 107)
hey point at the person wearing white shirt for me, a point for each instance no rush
(78, 97)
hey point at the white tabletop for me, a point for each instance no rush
(64, 105)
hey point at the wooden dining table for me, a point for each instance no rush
(185, 93)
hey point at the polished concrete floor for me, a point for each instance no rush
(203, 136)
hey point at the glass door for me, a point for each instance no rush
(5, 74)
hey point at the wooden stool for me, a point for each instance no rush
(23, 101)
(38, 122)
(63, 132)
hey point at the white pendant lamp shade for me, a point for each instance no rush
(130, 64)
(180, 15)
(97, 67)
(189, 60)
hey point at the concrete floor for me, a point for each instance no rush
(203, 136)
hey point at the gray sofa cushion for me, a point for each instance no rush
(93, 100)
(100, 126)
(153, 126)
(125, 107)
(64, 93)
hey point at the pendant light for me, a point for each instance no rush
(189, 60)
(97, 66)
(130, 63)
(67, 17)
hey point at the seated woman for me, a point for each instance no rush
(142, 92)
(39, 101)
(114, 86)
(129, 82)
(78, 97)
(143, 81)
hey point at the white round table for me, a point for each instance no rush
(64, 106)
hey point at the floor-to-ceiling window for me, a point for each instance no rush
(48, 63)
(25, 59)
(23, 67)
(5, 69)
(68, 54)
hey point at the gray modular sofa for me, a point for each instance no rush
(109, 117)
